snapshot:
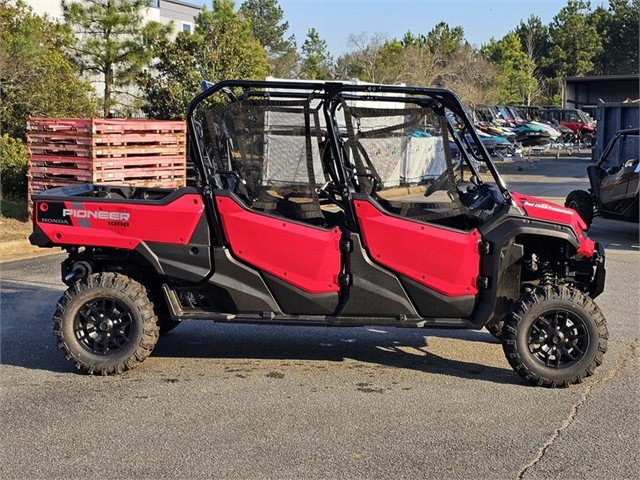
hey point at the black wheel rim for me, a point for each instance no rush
(103, 326)
(558, 339)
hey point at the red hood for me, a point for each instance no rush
(543, 210)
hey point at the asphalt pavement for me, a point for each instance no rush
(253, 402)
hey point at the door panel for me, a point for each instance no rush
(304, 256)
(442, 259)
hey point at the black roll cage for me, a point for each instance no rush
(333, 94)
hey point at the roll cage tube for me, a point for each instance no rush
(438, 100)
(620, 133)
(425, 97)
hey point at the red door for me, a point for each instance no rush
(304, 256)
(442, 259)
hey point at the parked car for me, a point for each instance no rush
(614, 182)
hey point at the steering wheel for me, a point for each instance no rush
(479, 197)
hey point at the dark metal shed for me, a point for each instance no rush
(612, 117)
(586, 93)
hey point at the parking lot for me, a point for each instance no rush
(243, 401)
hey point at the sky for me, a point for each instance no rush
(335, 20)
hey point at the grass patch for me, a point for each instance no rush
(14, 208)
(14, 220)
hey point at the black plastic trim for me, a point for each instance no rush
(74, 194)
(294, 301)
(501, 231)
(374, 291)
(430, 303)
(245, 286)
(597, 285)
(190, 262)
(39, 238)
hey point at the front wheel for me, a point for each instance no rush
(589, 139)
(581, 202)
(105, 323)
(555, 336)
(495, 329)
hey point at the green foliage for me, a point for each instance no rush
(517, 83)
(534, 38)
(618, 28)
(444, 41)
(112, 43)
(13, 165)
(221, 47)
(37, 78)
(266, 24)
(16, 208)
(575, 40)
(316, 61)
(269, 29)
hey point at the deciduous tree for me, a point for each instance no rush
(36, 77)
(221, 47)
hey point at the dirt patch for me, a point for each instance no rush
(13, 229)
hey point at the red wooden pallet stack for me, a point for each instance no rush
(67, 151)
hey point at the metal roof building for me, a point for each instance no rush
(586, 93)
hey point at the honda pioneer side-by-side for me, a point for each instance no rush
(326, 203)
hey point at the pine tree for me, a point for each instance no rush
(112, 44)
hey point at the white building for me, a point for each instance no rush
(181, 13)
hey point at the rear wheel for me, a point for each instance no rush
(105, 323)
(581, 202)
(555, 336)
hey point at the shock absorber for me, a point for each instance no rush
(547, 275)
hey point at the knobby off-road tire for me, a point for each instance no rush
(581, 202)
(495, 329)
(555, 336)
(106, 324)
(165, 322)
(589, 140)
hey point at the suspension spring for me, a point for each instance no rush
(547, 275)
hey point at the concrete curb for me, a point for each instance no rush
(20, 249)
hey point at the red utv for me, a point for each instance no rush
(300, 215)
(583, 128)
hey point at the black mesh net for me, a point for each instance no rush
(402, 155)
(268, 151)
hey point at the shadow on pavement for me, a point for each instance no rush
(27, 341)
(26, 333)
(408, 349)
(615, 234)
